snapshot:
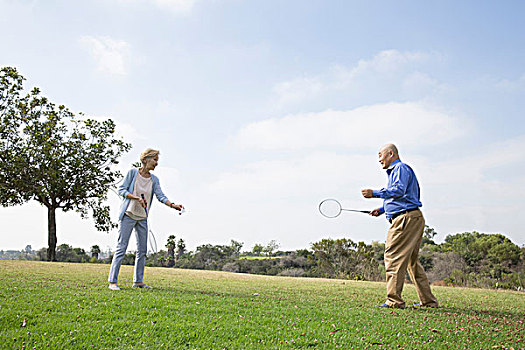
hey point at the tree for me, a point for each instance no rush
(428, 236)
(257, 249)
(181, 248)
(49, 155)
(335, 257)
(69, 254)
(236, 247)
(171, 250)
(95, 250)
(486, 255)
(271, 247)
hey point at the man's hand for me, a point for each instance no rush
(375, 212)
(367, 193)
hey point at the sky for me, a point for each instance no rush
(261, 109)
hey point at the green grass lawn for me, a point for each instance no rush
(68, 306)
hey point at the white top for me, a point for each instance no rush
(143, 185)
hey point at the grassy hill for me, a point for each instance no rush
(68, 306)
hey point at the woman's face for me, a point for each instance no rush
(151, 163)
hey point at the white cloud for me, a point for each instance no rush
(512, 86)
(110, 54)
(418, 83)
(177, 6)
(481, 190)
(471, 170)
(389, 70)
(174, 6)
(298, 89)
(319, 172)
(385, 62)
(408, 123)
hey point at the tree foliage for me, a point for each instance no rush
(181, 248)
(257, 249)
(95, 251)
(342, 258)
(171, 250)
(489, 255)
(49, 155)
(271, 247)
(67, 253)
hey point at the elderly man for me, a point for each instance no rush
(401, 205)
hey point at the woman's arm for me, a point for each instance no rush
(123, 188)
(162, 197)
(158, 191)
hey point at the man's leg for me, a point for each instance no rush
(126, 226)
(397, 255)
(417, 272)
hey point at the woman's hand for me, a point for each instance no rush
(142, 202)
(178, 207)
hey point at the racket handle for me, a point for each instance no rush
(144, 199)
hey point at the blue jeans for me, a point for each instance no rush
(141, 232)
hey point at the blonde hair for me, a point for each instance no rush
(148, 153)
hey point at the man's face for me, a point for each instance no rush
(386, 157)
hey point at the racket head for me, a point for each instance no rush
(330, 208)
(152, 242)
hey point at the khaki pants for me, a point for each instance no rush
(401, 253)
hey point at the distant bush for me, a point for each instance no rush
(474, 259)
(292, 272)
(230, 267)
(469, 259)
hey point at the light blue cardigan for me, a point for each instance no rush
(127, 188)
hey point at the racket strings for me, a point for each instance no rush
(330, 208)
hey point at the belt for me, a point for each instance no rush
(401, 213)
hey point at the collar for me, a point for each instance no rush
(393, 165)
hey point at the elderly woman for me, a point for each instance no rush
(137, 189)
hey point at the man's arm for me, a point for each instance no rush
(368, 193)
(400, 178)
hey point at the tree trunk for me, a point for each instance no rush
(52, 234)
(171, 257)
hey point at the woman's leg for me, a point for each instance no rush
(126, 226)
(141, 231)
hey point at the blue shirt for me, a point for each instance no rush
(402, 192)
(127, 188)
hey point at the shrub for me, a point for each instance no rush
(230, 267)
(296, 272)
(444, 264)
